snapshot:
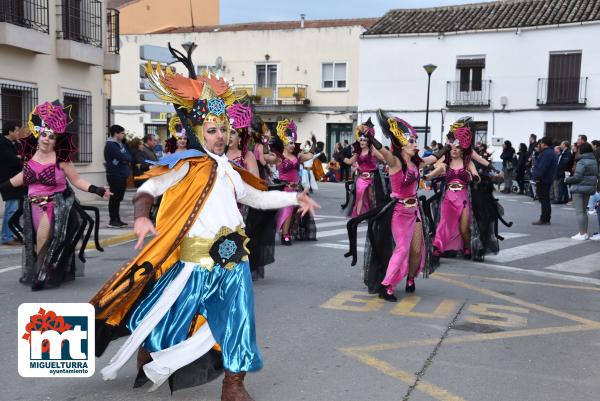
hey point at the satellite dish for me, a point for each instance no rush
(219, 62)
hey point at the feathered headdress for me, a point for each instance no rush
(396, 129)
(50, 118)
(197, 99)
(461, 130)
(287, 131)
(176, 132)
(365, 128)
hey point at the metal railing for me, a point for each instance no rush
(31, 14)
(80, 21)
(562, 91)
(283, 94)
(81, 126)
(112, 31)
(16, 102)
(472, 93)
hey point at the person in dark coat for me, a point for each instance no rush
(563, 163)
(117, 161)
(346, 170)
(522, 156)
(508, 166)
(10, 165)
(543, 174)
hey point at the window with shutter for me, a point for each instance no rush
(334, 76)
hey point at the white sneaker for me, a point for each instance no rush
(591, 212)
(595, 237)
(580, 237)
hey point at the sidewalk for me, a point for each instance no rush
(108, 236)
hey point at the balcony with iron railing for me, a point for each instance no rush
(280, 98)
(79, 34)
(562, 92)
(468, 93)
(24, 24)
(112, 60)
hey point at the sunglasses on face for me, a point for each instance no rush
(49, 135)
(412, 141)
(362, 139)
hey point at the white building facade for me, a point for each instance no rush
(541, 78)
(59, 49)
(303, 70)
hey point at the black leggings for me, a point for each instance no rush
(117, 187)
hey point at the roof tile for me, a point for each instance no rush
(486, 16)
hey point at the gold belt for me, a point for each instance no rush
(41, 200)
(409, 202)
(227, 248)
(456, 187)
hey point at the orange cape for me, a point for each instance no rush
(179, 209)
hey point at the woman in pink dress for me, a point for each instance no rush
(52, 227)
(261, 135)
(453, 231)
(288, 224)
(398, 231)
(364, 192)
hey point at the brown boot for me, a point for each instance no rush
(143, 357)
(233, 387)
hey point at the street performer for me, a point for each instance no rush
(186, 300)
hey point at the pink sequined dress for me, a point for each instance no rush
(288, 172)
(43, 180)
(404, 218)
(456, 201)
(367, 164)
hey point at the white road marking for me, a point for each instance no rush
(340, 231)
(338, 246)
(331, 217)
(7, 269)
(359, 240)
(567, 208)
(508, 235)
(530, 203)
(531, 249)
(331, 224)
(538, 273)
(584, 265)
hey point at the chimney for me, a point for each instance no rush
(302, 20)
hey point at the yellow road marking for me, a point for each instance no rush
(369, 303)
(406, 305)
(506, 280)
(517, 301)
(408, 378)
(503, 335)
(509, 319)
(361, 353)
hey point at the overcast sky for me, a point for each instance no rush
(233, 11)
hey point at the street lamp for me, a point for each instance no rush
(429, 69)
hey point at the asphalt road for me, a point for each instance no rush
(523, 326)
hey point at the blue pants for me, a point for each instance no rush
(224, 297)
(10, 207)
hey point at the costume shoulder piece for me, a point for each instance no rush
(172, 159)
